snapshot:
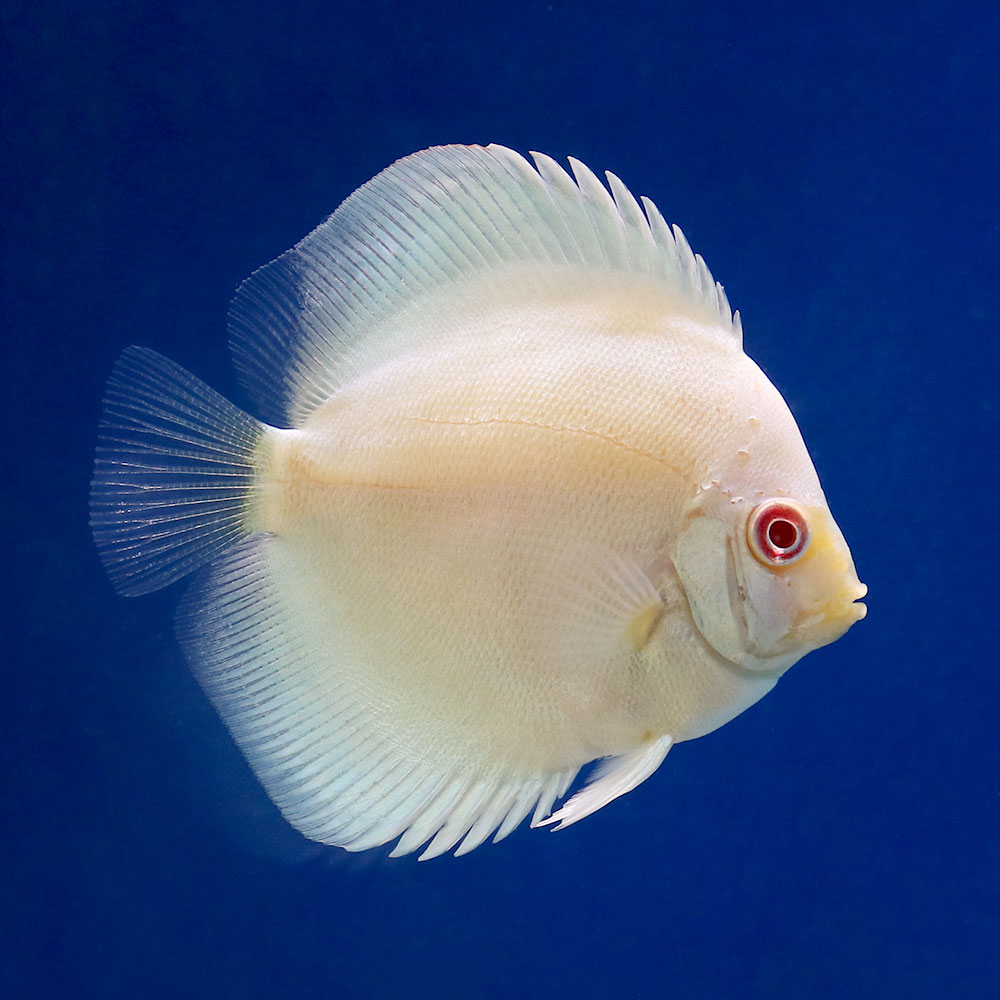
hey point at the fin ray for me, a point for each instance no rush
(440, 220)
(174, 474)
(595, 600)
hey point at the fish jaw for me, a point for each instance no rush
(841, 610)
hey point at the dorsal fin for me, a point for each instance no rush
(433, 222)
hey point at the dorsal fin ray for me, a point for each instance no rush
(446, 222)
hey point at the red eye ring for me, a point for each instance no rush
(777, 532)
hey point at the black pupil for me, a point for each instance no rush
(782, 534)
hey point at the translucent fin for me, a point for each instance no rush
(612, 779)
(330, 761)
(434, 223)
(596, 602)
(174, 474)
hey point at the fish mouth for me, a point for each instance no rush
(858, 609)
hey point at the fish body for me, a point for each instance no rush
(525, 503)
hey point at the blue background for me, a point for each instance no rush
(837, 166)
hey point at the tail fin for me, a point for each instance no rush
(174, 476)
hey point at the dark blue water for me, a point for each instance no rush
(839, 171)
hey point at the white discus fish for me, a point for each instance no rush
(522, 502)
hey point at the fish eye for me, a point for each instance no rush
(777, 532)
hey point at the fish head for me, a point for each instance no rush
(767, 581)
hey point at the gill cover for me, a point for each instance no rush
(704, 562)
(747, 612)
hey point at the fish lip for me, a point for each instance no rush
(860, 610)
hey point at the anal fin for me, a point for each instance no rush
(325, 751)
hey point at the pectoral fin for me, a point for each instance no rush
(595, 602)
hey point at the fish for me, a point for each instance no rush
(515, 502)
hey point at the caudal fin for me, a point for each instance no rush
(174, 474)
